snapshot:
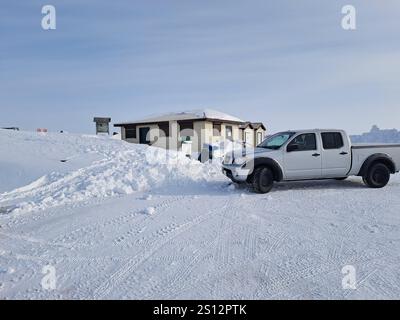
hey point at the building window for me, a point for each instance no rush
(241, 134)
(186, 128)
(228, 133)
(130, 133)
(216, 129)
(164, 129)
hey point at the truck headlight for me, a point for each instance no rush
(240, 161)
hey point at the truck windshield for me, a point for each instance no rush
(276, 141)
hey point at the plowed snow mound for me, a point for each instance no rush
(124, 169)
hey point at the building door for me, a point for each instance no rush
(144, 137)
(228, 133)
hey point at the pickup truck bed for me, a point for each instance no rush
(361, 152)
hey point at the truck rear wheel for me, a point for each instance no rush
(377, 176)
(262, 180)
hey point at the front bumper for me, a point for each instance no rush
(235, 172)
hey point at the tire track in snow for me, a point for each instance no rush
(81, 233)
(283, 282)
(139, 227)
(277, 241)
(113, 223)
(224, 244)
(250, 242)
(35, 241)
(380, 283)
(122, 273)
(171, 285)
(292, 277)
(368, 262)
(222, 256)
(336, 254)
(116, 223)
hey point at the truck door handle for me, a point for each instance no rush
(343, 153)
(316, 155)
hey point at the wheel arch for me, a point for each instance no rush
(266, 162)
(377, 158)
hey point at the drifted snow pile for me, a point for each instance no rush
(125, 169)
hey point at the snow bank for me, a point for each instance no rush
(123, 169)
(26, 156)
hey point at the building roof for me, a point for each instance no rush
(246, 125)
(257, 125)
(101, 119)
(201, 114)
(252, 125)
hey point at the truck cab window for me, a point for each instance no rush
(303, 142)
(276, 141)
(332, 140)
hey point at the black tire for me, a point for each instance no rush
(341, 179)
(377, 176)
(262, 180)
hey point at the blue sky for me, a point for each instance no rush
(286, 63)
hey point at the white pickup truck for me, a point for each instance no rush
(309, 155)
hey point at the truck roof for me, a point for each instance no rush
(316, 130)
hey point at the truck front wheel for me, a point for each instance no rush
(377, 176)
(262, 180)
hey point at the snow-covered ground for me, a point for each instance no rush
(117, 220)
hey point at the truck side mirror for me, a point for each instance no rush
(292, 147)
